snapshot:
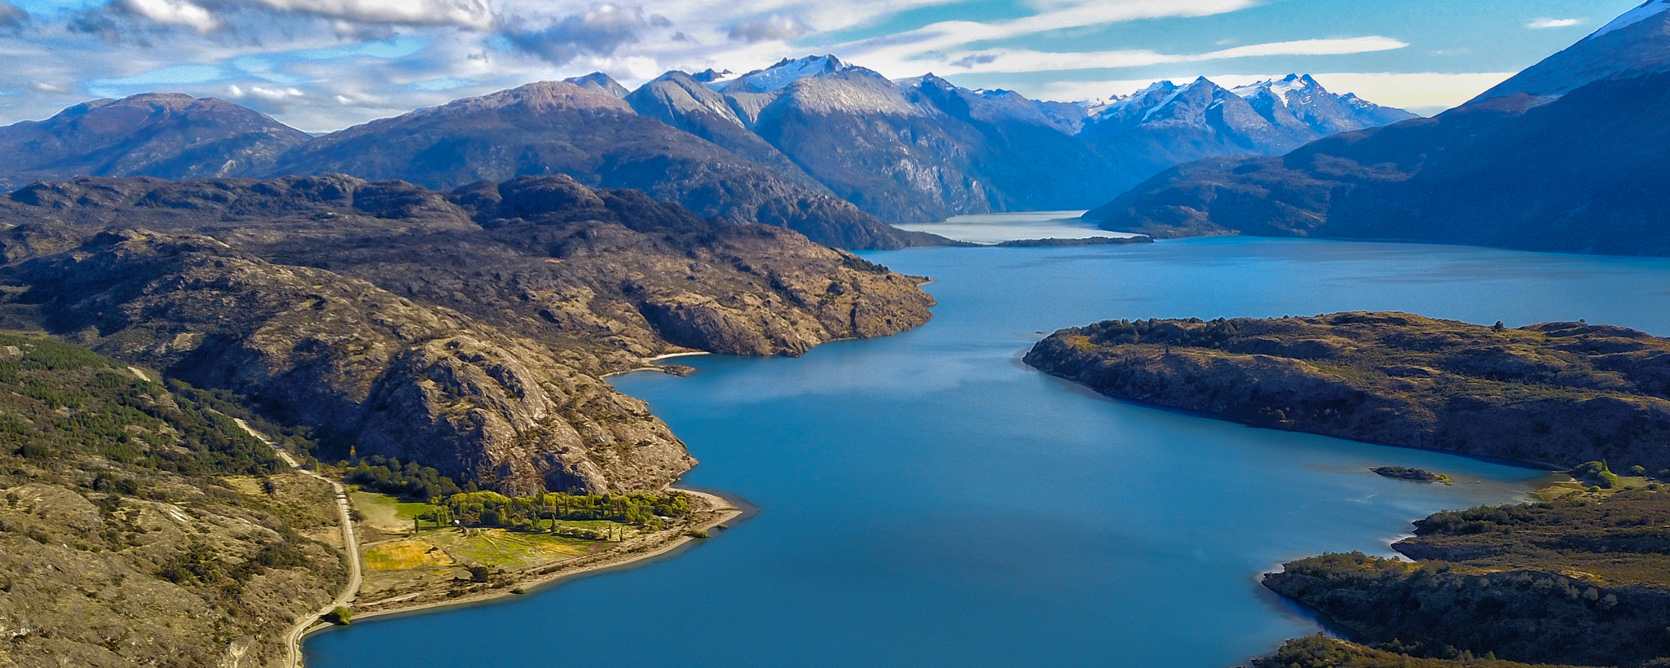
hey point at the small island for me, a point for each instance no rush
(1408, 473)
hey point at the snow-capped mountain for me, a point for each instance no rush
(1301, 98)
(779, 76)
(1632, 45)
(1568, 156)
(1195, 121)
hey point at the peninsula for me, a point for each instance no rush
(1560, 394)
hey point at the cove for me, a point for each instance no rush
(926, 499)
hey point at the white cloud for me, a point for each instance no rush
(1014, 60)
(1541, 24)
(172, 12)
(476, 14)
(774, 27)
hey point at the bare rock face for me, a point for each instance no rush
(468, 331)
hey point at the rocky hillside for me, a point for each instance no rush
(1567, 157)
(465, 330)
(139, 526)
(167, 135)
(1581, 580)
(1559, 393)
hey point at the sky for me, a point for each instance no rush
(322, 65)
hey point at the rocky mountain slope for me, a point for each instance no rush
(563, 128)
(1562, 158)
(172, 136)
(1559, 393)
(140, 526)
(466, 330)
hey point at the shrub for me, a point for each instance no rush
(340, 616)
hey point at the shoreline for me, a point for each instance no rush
(726, 510)
(652, 360)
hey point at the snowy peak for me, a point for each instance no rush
(1635, 44)
(1300, 99)
(711, 75)
(1282, 91)
(779, 76)
(1647, 10)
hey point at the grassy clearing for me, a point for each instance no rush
(405, 554)
(386, 512)
(499, 548)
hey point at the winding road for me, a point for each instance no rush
(350, 542)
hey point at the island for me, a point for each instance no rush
(1556, 394)
(1407, 473)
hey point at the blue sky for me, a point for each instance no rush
(326, 64)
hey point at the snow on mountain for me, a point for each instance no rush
(1635, 44)
(779, 76)
(1646, 11)
(1299, 98)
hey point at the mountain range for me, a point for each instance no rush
(1569, 155)
(829, 149)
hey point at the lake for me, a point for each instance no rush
(926, 499)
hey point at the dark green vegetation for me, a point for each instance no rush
(535, 513)
(1581, 580)
(387, 476)
(70, 401)
(467, 331)
(1559, 393)
(1324, 652)
(138, 526)
(1407, 473)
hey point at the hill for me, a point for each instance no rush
(468, 331)
(139, 526)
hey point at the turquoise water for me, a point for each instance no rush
(927, 500)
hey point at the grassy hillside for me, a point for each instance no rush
(138, 526)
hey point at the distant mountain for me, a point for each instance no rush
(1325, 113)
(814, 143)
(1543, 168)
(779, 76)
(166, 135)
(598, 82)
(924, 149)
(564, 128)
(1166, 124)
(1634, 44)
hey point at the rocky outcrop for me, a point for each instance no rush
(467, 330)
(1560, 393)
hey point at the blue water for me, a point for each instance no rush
(927, 500)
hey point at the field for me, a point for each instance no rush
(387, 513)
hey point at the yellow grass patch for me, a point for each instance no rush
(405, 554)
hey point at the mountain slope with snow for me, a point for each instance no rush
(1634, 44)
(1547, 163)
